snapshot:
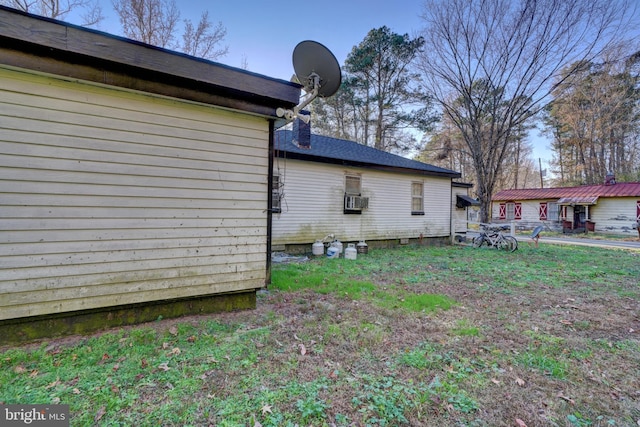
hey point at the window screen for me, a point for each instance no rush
(352, 185)
(417, 191)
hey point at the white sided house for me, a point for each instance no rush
(332, 186)
(130, 177)
(610, 208)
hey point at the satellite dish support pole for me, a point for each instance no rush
(292, 114)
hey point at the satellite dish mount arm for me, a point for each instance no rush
(314, 85)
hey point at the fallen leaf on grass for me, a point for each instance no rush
(495, 381)
(76, 391)
(164, 366)
(266, 409)
(566, 322)
(568, 399)
(19, 369)
(53, 384)
(100, 413)
(173, 331)
(303, 349)
(519, 381)
(520, 423)
(174, 351)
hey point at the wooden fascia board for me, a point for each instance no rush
(55, 47)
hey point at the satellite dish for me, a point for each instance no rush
(318, 71)
(312, 61)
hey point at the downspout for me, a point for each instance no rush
(267, 280)
(452, 236)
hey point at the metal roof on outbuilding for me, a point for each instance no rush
(584, 192)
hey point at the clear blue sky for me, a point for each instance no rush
(266, 32)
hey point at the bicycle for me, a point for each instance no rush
(492, 236)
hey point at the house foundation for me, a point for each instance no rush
(17, 331)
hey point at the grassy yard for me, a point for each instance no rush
(416, 336)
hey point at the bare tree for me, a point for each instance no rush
(89, 10)
(244, 62)
(446, 148)
(490, 64)
(202, 41)
(156, 22)
(594, 122)
(149, 21)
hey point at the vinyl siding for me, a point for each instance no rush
(313, 205)
(530, 211)
(112, 197)
(615, 215)
(610, 214)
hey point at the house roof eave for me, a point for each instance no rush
(55, 47)
(368, 165)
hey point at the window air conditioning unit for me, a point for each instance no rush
(355, 203)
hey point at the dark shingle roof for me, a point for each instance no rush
(325, 149)
(621, 189)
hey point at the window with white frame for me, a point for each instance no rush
(352, 185)
(354, 203)
(417, 198)
(511, 210)
(553, 213)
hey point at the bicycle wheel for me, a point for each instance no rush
(509, 243)
(478, 241)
